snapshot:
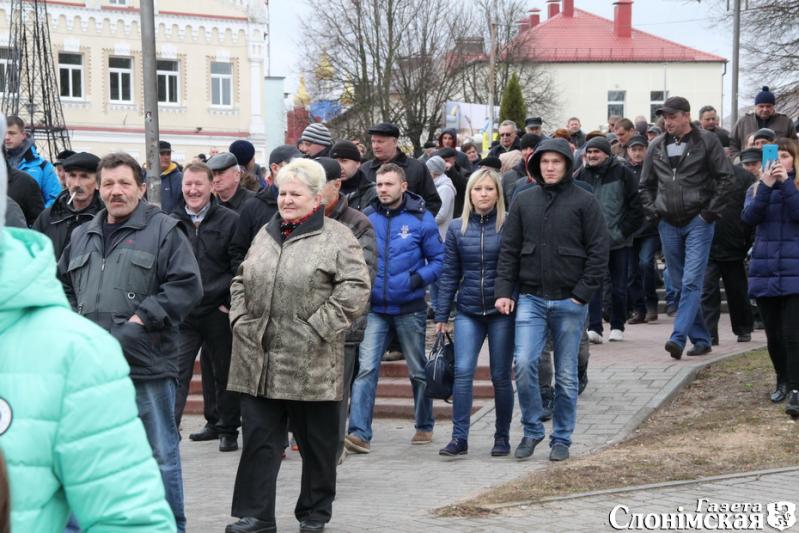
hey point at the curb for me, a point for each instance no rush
(651, 486)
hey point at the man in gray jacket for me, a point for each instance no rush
(133, 272)
(763, 116)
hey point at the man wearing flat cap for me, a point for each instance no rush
(171, 177)
(685, 183)
(227, 181)
(533, 125)
(76, 205)
(385, 139)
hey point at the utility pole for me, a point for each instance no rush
(736, 55)
(492, 66)
(150, 101)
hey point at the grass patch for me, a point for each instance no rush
(721, 423)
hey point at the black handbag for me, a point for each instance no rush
(440, 368)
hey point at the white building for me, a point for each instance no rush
(210, 73)
(604, 67)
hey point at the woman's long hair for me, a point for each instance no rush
(786, 145)
(476, 176)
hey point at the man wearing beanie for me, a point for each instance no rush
(315, 141)
(763, 116)
(616, 188)
(74, 206)
(252, 174)
(553, 256)
(358, 190)
(385, 147)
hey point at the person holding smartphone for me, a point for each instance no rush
(772, 206)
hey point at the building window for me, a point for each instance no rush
(656, 99)
(6, 81)
(121, 78)
(118, 2)
(167, 73)
(221, 84)
(70, 69)
(616, 103)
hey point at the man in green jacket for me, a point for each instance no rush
(69, 428)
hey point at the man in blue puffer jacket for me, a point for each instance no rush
(409, 257)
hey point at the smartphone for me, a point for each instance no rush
(769, 154)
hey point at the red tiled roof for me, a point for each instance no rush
(586, 37)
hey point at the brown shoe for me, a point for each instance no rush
(638, 318)
(422, 437)
(355, 445)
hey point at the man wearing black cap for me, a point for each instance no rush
(533, 125)
(59, 168)
(355, 186)
(336, 208)
(527, 145)
(642, 290)
(76, 205)
(763, 116)
(616, 188)
(731, 242)
(554, 255)
(259, 209)
(685, 183)
(385, 137)
(752, 161)
(171, 176)
(227, 181)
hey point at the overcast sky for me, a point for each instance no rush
(687, 22)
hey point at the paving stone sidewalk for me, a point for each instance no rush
(395, 487)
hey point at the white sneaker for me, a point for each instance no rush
(616, 335)
(594, 337)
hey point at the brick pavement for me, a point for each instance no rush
(395, 487)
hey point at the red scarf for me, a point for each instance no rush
(287, 227)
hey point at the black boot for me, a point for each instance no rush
(792, 408)
(582, 378)
(780, 392)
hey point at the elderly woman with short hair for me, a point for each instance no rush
(299, 288)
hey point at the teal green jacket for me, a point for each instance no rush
(69, 428)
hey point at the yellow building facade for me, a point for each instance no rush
(210, 73)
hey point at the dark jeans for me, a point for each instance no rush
(470, 333)
(736, 286)
(350, 356)
(781, 318)
(315, 428)
(212, 332)
(642, 276)
(617, 267)
(155, 399)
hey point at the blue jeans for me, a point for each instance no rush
(470, 332)
(671, 294)
(410, 331)
(687, 249)
(156, 402)
(617, 267)
(535, 319)
(642, 290)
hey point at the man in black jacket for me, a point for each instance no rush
(210, 228)
(508, 139)
(731, 243)
(355, 186)
(258, 210)
(227, 181)
(24, 190)
(336, 208)
(76, 205)
(555, 251)
(385, 137)
(132, 271)
(616, 188)
(685, 182)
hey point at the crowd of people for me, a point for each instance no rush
(293, 281)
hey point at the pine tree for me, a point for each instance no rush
(512, 105)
